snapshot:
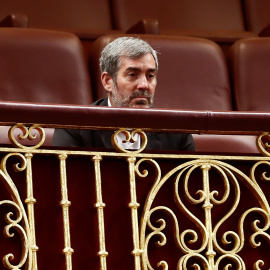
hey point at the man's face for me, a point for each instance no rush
(135, 83)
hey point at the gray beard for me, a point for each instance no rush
(120, 101)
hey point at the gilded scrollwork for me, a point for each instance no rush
(238, 261)
(182, 263)
(18, 221)
(264, 176)
(216, 237)
(130, 136)
(263, 144)
(27, 134)
(210, 251)
(258, 264)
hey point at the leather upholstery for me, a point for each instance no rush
(222, 20)
(192, 73)
(181, 14)
(257, 15)
(88, 19)
(42, 66)
(249, 62)
(85, 17)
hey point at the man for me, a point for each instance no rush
(129, 75)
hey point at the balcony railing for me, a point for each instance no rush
(81, 208)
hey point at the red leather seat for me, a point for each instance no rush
(221, 21)
(249, 62)
(86, 18)
(257, 16)
(42, 66)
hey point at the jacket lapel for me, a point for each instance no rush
(104, 136)
(154, 141)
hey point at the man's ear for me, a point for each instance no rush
(107, 81)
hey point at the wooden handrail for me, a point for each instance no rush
(73, 116)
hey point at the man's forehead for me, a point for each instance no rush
(146, 60)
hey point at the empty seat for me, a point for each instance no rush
(43, 67)
(249, 62)
(87, 18)
(257, 16)
(221, 21)
(192, 75)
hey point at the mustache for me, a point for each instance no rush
(140, 93)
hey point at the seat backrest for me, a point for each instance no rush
(257, 14)
(249, 61)
(192, 73)
(181, 14)
(82, 14)
(42, 66)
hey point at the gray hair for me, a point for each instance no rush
(128, 47)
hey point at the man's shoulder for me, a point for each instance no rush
(101, 102)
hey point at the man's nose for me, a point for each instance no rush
(143, 83)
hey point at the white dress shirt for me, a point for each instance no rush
(121, 137)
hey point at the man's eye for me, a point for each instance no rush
(131, 74)
(151, 76)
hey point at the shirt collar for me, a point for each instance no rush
(109, 102)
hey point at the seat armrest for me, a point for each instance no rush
(15, 20)
(145, 26)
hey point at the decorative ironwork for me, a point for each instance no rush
(134, 205)
(206, 244)
(27, 134)
(65, 203)
(130, 137)
(30, 201)
(100, 206)
(263, 144)
(20, 222)
(210, 246)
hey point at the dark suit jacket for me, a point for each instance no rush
(102, 139)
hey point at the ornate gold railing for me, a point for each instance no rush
(201, 212)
